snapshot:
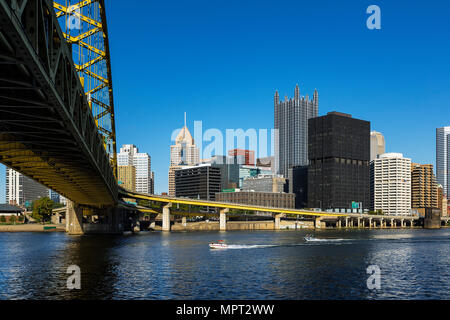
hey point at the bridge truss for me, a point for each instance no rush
(84, 26)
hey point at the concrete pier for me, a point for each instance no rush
(166, 217)
(278, 217)
(74, 219)
(223, 219)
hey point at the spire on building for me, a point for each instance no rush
(316, 96)
(277, 98)
(297, 93)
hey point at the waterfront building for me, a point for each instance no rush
(424, 190)
(127, 177)
(248, 156)
(391, 184)
(183, 153)
(377, 145)
(298, 185)
(266, 183)
(443, 158)
(130, 156)
(291, 126)
(54, 196)
(442, 201)
(198, 182)
(251, 172)
(264, 199)
(21, 190)
(338, 171)
(266, 162)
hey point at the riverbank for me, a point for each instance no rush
(31, 228)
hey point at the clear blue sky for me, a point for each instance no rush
(221, 61)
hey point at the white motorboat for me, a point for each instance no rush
(218, 245)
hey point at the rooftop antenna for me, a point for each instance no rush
(185, 119)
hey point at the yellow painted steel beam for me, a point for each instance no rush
(213, 204)
(92, 61)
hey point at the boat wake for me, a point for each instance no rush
(254, 246)
(326, 240)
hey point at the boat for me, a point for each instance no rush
(309, 237)
(219, 245)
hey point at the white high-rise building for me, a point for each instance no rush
(183, 153)
(21, 190)
(129, 156)
(377, 145)
(443, 158)
(391, 184)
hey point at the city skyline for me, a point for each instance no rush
(234, 71)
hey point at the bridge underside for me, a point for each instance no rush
(47, 131)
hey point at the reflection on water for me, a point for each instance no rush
(257, 265)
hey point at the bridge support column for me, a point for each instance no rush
(166, 217)
(381, 223)
(359, 222)
(184, 221)
(74, 219)
(223, 219)
(318, 223)
(338, 223)
(392, 223)
(278, 221)
(370, 223)
(402, 223)
(346, 223)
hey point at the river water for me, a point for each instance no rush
(414, 264)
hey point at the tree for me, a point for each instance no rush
(12, 219)
(20, 219)
(2, 219)
(42, 209)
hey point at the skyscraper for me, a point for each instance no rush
(339, 154)
(21, 190)
(443, 158)
(424, 190)
(391, 184)
(183, 153)
(129, 156)
(377, 145)
(291, 124)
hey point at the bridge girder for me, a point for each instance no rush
(47, 130)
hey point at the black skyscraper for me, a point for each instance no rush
(339, 156)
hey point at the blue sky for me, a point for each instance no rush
(221, 62)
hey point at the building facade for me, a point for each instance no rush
(21, 190)
(248, 156)
(339, 154)
(264, 199)
(198, 182)
(377, 145)
(443, 158)
(266, 183)
(127, 177)
(391, 184)
(183, 153)
(291, 127)
(424, 190)
(298, 185)
(130, 156)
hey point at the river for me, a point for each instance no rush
(414, 264)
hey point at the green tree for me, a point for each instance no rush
(12, 219)
(42, 209)
(20, 219)
(2, 219)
